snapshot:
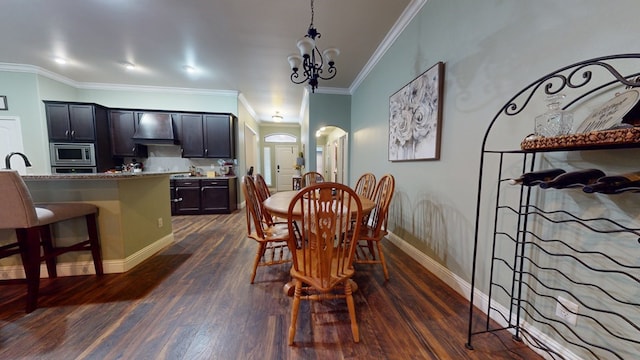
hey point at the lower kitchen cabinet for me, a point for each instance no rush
(187, 196)
(203, 196)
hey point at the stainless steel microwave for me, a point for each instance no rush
(72, 154)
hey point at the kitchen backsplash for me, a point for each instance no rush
(169, 158)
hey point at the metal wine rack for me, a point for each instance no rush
(558, 268)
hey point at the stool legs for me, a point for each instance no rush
(47, 246)
(94, 241)
(29, 240)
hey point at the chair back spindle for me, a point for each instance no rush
(366, 185)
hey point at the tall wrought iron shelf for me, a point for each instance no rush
(527, 263)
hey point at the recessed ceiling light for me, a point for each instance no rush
(60, 60)
(129, 66)
(189, 68)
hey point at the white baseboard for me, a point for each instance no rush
(87, 268)
(480, 300)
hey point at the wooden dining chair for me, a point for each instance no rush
(375, 228)
(271, 236)
(32, 222)
(262, 186)
(323, 256)
(366, 185)
(311, 177)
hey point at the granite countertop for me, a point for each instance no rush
(119, 175)
(187, 176)
(97, 176)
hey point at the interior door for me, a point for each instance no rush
(285, 160)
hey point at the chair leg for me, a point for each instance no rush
(371, 250)
(261, 249)
(352, 311)
(294, 311)
(29, 241)
(384, 263)
(47, 247)
(94, 240)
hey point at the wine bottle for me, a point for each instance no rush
(536, 177)
(578, 178)
(614, 184)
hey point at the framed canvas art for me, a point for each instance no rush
(415, 117)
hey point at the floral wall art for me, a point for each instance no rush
(415, 115)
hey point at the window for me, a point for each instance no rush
(280, 138)
(267, 165)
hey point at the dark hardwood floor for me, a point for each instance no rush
(193, 300)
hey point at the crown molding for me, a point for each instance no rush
(156, 89)
(247, 106)
(407, 15)
(32, 69)
(332, 91)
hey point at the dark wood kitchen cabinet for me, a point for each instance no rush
(220, 139)
(74, 122)
(122, 125)
(191, 135)
(187, 192)
(203, 196)
(218, 195)
(208, 135)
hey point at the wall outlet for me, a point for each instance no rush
(567, 310)
(160, 222)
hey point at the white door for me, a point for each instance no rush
(285, 160)
(11, 140)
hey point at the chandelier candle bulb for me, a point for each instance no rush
(306, 46)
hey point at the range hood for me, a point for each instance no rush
(155, 129)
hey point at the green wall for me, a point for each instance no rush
(326, 110)
(21, 90)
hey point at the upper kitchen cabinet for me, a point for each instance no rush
(220, 136)
(123, 124)
(191, 135)
(74, 122)
(208, 135)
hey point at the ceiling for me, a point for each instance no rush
(237, 45)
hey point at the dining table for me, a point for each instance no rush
(278, 205)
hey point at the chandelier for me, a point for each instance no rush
(312, 61)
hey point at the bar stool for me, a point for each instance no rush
(32, 225)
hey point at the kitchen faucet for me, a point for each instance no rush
(7, 159)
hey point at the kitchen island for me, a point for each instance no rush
(134, 219)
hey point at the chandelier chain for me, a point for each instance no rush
(312, 13)
(312, 64)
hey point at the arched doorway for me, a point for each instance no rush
(332, 153)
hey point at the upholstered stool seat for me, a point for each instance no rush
(32, 225)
